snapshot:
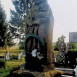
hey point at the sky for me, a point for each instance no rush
(65, 16)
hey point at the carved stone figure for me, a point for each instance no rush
(62, 47)
(62, 52)
(39, 29)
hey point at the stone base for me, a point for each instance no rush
(35, 74)
(48, 72)
(26, 73)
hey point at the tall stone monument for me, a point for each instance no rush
(38, 41)
(39, 31)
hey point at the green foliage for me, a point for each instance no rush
(9, 65)
(56, 45)
(72, 45)
(14, 57)
(20, 13)
(12, 51)
(2, 60)
(2, 26)
(17, 19)
(5, 36)
(21, 45)
(8, 36)
(72, 50)
(56, 53)
(5, 72)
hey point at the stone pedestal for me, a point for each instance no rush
(34, 74)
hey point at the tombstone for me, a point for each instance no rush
(7, 56)
(62, 47)
(21, 53)
(62, 52)
(38, 40)
(75, 71)
(19, 56)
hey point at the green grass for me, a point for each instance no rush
(12, 51)
(5, 71)
(9, 65)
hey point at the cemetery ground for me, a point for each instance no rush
(9, 65)
(14, 62)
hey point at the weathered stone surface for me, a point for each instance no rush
(40, 21)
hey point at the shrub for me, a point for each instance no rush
(2, 63)
(72, 45)
(9, 65)
(73, 50)
(5, 72)
(14, 57)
